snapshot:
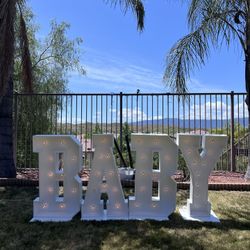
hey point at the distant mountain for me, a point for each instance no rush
(194, 124)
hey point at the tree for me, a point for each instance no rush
(52, 58)
(211, 22)
(8, 16)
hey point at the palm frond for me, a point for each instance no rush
(211, 23)
(200, 10)
(136, 6)
(188, 53)
(7, 17)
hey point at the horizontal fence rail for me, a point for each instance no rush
(122, 114)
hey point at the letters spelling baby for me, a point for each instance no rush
(200, 153)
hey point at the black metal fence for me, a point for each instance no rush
(86, 114)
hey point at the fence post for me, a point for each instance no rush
(232, 151)
(121, 109)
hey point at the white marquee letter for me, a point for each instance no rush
(201, 153)
(104, 178)
(60, 158)
(144, 205)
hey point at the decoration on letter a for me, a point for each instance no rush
(104, 179)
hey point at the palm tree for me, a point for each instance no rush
(211, 22)
(8, 17)
(8, 11)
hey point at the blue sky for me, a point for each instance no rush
(118, 58)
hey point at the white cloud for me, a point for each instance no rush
(127, 78)
(133, 115)
(240, 110)
(109, 74)
(106, 73)
(217, 110)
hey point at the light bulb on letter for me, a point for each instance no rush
(117, 205)
(111, 173)
(50, 174)
(45, 142)
(62, 205)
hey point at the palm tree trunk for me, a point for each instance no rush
(7, 16)
(7, 165)
(247, 80)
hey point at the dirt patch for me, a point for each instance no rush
(215, 177)
(226, 177)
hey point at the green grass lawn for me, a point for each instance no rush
(233, 208)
